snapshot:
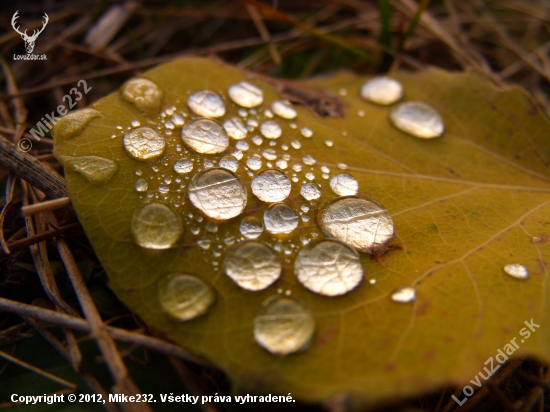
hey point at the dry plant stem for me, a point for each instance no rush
(123, 335)
(536, 393)
(21, 111)
(264, 33)
(46, 206)
(10, 187)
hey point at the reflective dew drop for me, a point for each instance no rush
(229, 162)
(184, 297)
(363, 224)
(96, 170)
(206, 103)
(271, 129)
(418, 119)
(141, 185)
(284, 326)
(144, 143)
(143, 94)
(205, 136)
(382, 90)
(329, 268)
(516, 270)
(344, 185)
(404, 294)
(254, 162)
(156, 226)
(246, 94)
(74, 123)
(235, 128)
(252, 265)
(310, 191)
(280, 219)
(271, 186)
(251, 227)
(284, 109)
(306, 132)
(183, 166)
(218, 193)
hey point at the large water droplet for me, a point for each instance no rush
(218, 193)
(229, 162)
(516, 270)
(251, 227)
(284, 326)
(280, 219)
(184, 297)
(404, 294)
(205, 136)
(206, 103)
(156, 226)
(344, 185)
(246, 94)
(96, 170)
(252, 265)
(418, 119)
(271, 186)
(360, 223)
(74, 123)
(382, 90)
(143, 94)
(271, 129)
(183, 166)
(329, 268)
(310, 191)
(284, 109)
(235, 128)
(144, 143)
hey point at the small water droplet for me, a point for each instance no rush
(195, 229)
(382, 90)
(243, 112)
(343, 92)
(211, 227)
(344, 184)
(218, 193)
(230, 163)
(516, 270)
(144, 143)
(254, 162)
(135, 123)
(178, 120)
(284, 109)
(309, 160)
(246, 94)
(271, 129)
(271, 186)
(342, 166)
(285, 147)
(141, 185)
(405, 294)
(206, 103)
(418, 119)
(297, 168)
(269, 154)
(143, 94)
(257, 140)
(156, 226)
(310, 191)
(372, 281)
(296, 144)
(205, 136)
(184, 297)
(310, 176)
(280, 219)
(235, 128)
(284, 326)
(252, 265)
(170, 126)
(204, 243)
(237, 154)
(183, 166)
(251, 227)
(268, 113)
(164, 189)
(306, 132)
(361, 113)
(281, 164)
(242, 145)
(325, 169)
(360, 223)
(329, 143)
(96, 170)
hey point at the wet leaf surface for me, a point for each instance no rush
(463, 205)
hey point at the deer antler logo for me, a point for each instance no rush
(29, 40)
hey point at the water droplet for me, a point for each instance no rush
(344, 185)
(310, 176)
(206, 103)
(342, 166)
(251, 227)
(141, 185)
(361, 113)
(329, 143)
(382, 90)
(246, 94)
(280, 219)
(211, 227)
(252, 265)
(143, 94)
(297, 168)
(237, 154)
(296, 144)
(516, 270)
(257, 140)
(204, 243)
(271, 186)
(199, 218)
(184, 297)
(230, 163)
(306, 132)
(309, 160)
(235, 128)
(144, 143)
(284, 109)
(96, 170)
(156, 226)
(284, 326)
(281, 164)
(178, 120)
(74, 123)
(329, 268)
(325, 169)
(285, 147)
(360, 223)
(310, 191)
(254, 162)
(243, 112)
(135, 123)
(218, 193)
(195, 229)
(269, 154)
(242, 145)
(372, 281)
(271, 129)
(205, 136)
(404, 294)
(418, 119)
(164, 189)
(343, 92)
(183, 166)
